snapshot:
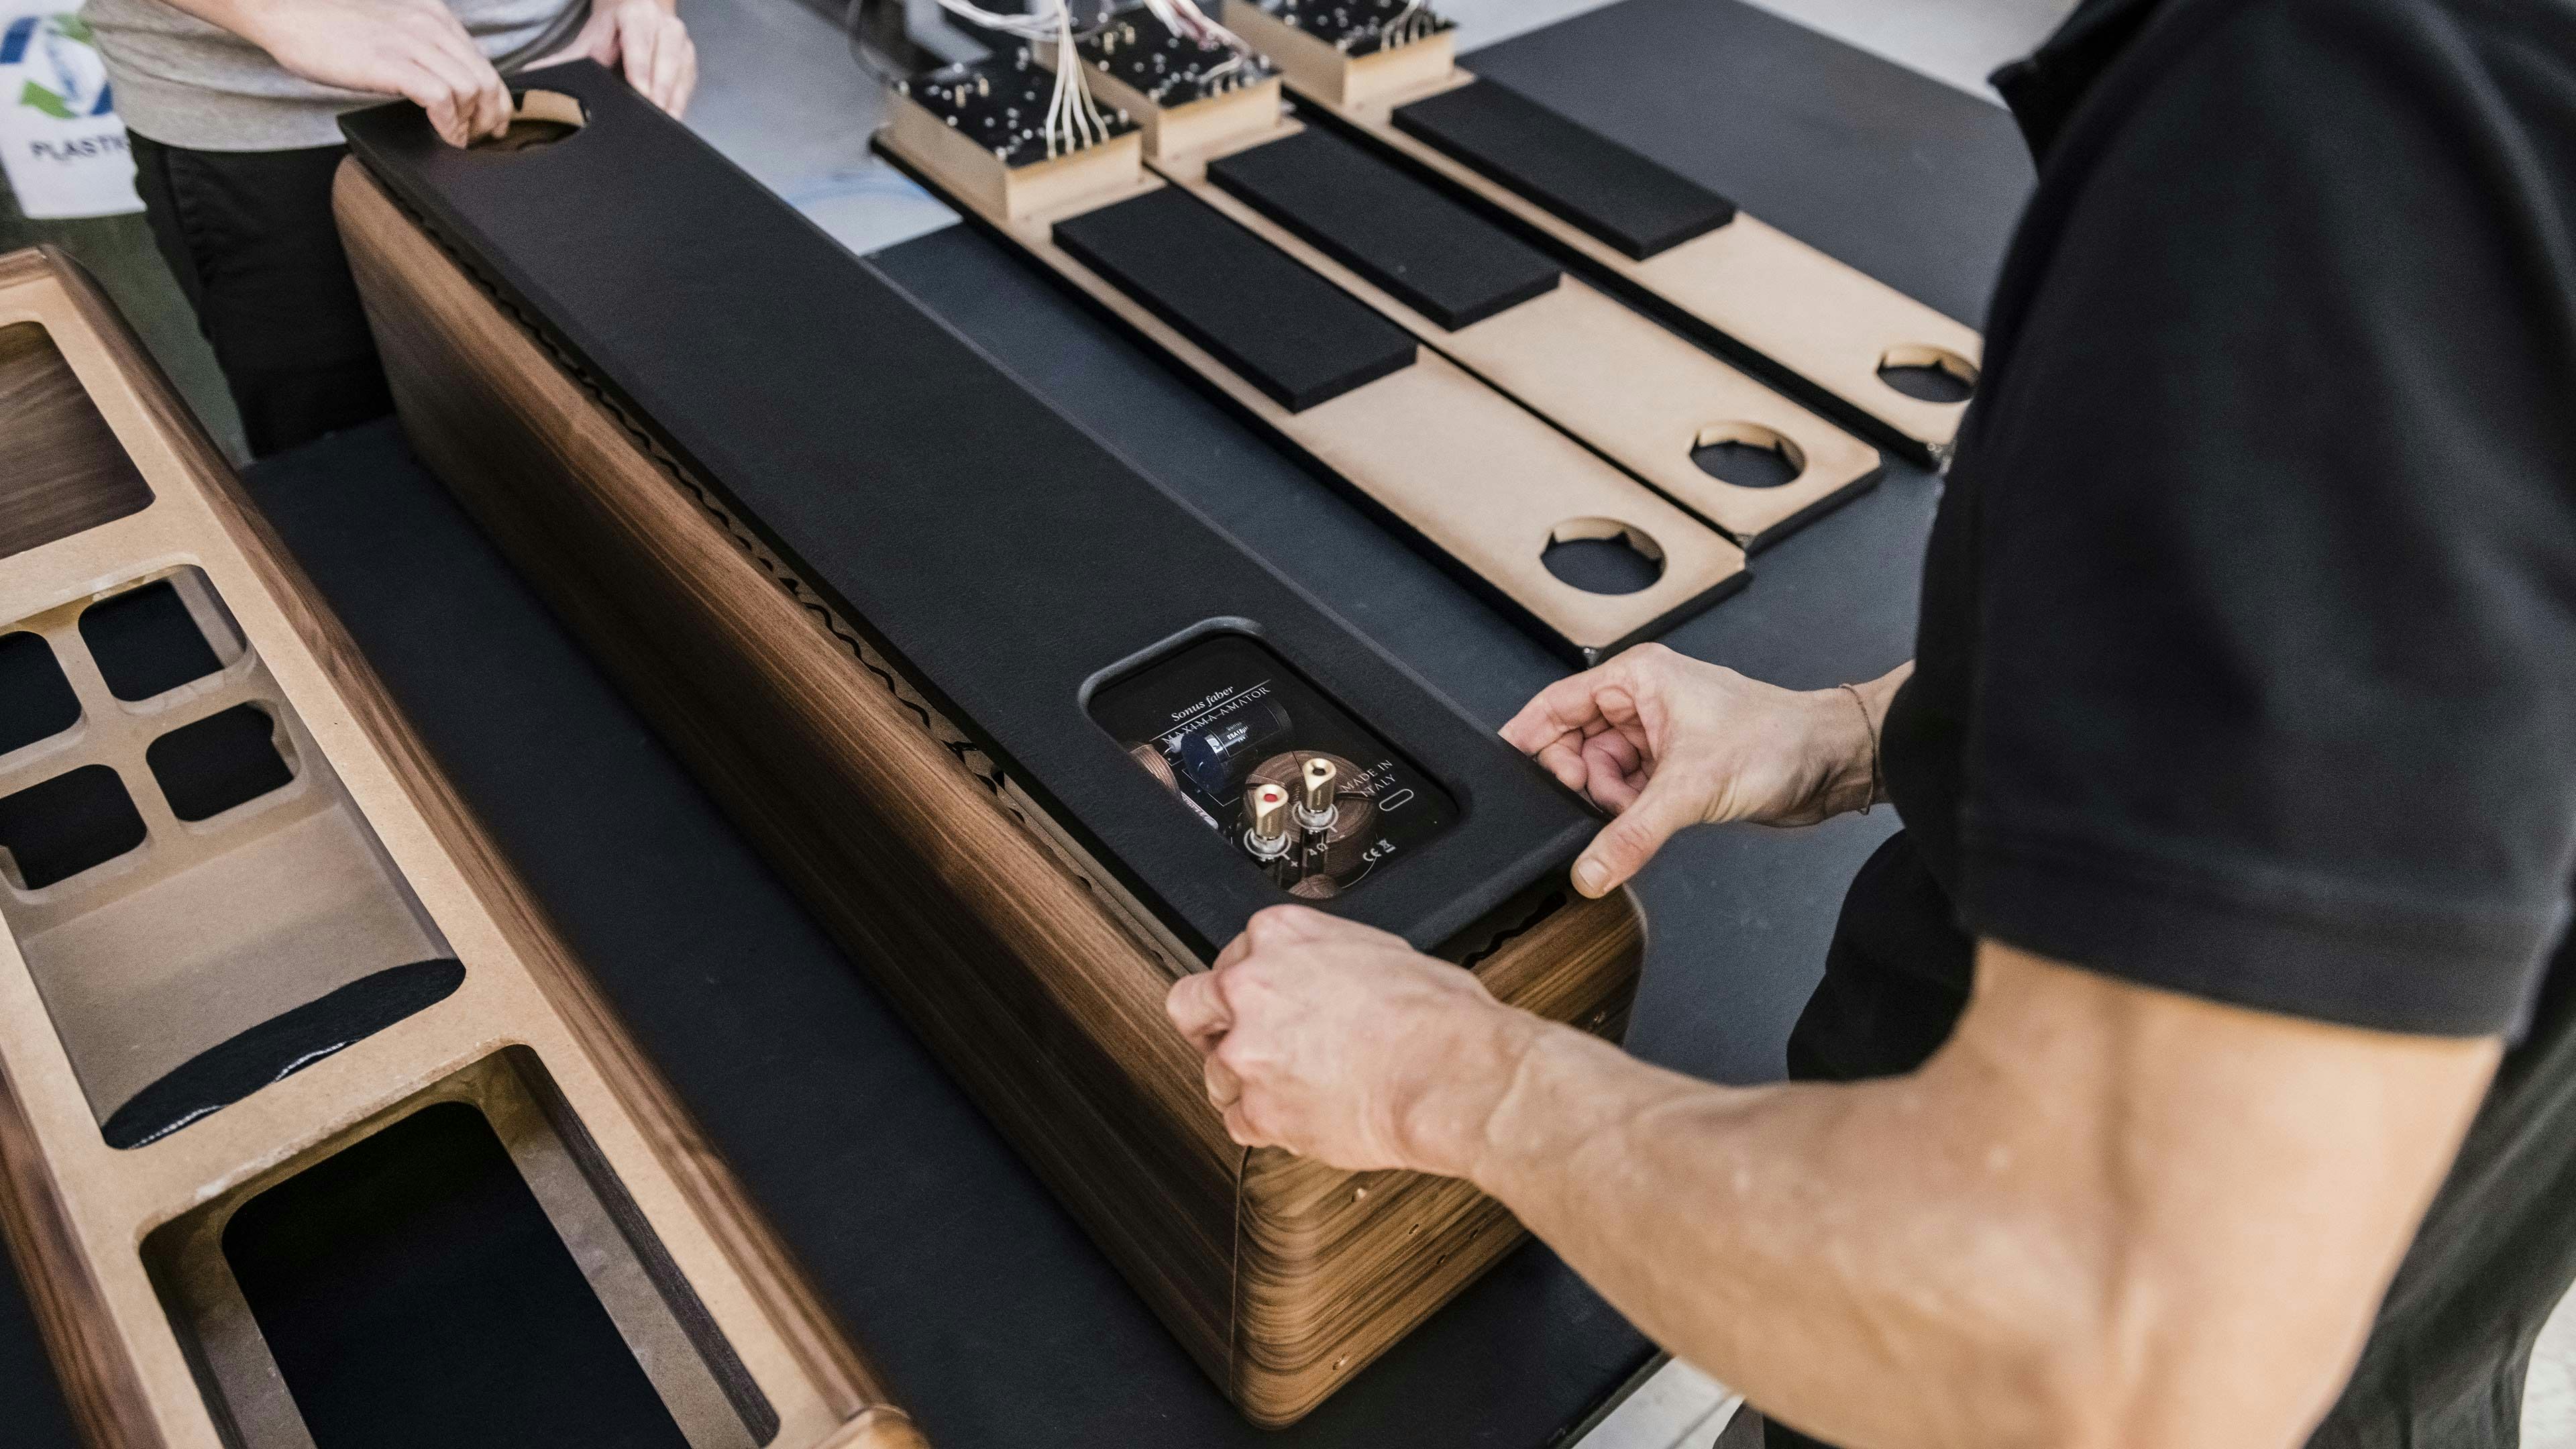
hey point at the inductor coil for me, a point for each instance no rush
(1156, 766)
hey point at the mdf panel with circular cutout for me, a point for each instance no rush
(1851, 344)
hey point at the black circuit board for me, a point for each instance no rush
(1135, 48)
(1361, 27)
(1000, 103)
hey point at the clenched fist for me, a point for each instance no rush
(1339, 1042)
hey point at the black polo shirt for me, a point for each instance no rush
(2247, 662)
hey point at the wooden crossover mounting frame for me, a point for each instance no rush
(1632, 390)
(1480, 481)
(254, 940)
(1740, 284)
(1005, 946)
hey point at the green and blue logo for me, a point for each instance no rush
(64, 76)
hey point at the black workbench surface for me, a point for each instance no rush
(996, 1320)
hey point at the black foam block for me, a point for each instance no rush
(1434, 255)
(1583, 176)
(36, 701)
(1288, 332)
(279, 1048)
(416, 1297)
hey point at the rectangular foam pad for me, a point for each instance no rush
(1290, 333)
(1583, 176)
(1434, 255)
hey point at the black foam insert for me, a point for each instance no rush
(36, 701)
(415, 1296)
(279, 1048)
(1583, 176)
(221, 761)
(57, 828)
(1290, 333)
(145, 642)
(1437, 257)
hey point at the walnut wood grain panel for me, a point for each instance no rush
(77, 1209)
(1009, 955)
(66, 472)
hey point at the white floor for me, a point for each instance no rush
(782, 97)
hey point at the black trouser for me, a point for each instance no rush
(249, 235)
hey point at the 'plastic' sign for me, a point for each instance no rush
(60, 138)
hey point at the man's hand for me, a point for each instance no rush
(646, 40)
(1665, 742)
(412, 48)
(1339, 1042)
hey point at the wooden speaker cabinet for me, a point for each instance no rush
(800, 523)
(312, 1133)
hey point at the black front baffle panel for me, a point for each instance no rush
(1009, 563)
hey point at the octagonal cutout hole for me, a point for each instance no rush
(1748, 455)
(1929, 374)
(1603, 556)
(537, 118)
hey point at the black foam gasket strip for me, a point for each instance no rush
(1595, 183)
(1432, 254)
(278, 1048)
(1288, 332)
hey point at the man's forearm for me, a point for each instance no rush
(1872, 700)
(1730, 1226)
(1998, 1250)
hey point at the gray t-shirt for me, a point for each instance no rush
(184, 82)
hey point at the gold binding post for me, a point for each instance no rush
(1268, 835)
(1316, 810)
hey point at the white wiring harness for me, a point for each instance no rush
(1414, 22)
(1073, 119)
